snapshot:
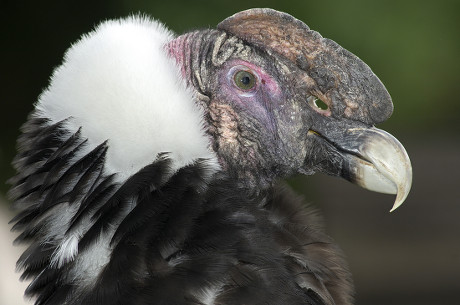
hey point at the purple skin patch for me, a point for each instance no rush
(258, 101)
(264, 80)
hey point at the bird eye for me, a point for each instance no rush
(244, 80)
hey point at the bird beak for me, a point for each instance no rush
(341, 144)
(369, 157)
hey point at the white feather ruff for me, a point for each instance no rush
(118, 84)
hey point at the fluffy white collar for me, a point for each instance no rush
(119, 84)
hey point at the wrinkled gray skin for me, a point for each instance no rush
(275, 130)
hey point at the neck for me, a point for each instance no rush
(197, 54)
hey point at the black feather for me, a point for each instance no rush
(175, 234)
(99, 194)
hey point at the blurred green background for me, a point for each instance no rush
(411, 256)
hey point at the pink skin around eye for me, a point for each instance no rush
(264, 80)
(259, 100)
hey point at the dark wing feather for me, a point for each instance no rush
(315, 260)
(53, 169)
(183, 236)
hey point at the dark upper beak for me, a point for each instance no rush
(343, 143)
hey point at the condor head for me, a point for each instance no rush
(279, 99)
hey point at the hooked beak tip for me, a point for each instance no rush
(392, 172)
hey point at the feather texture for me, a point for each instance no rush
(173, 236)
(118, 84)
(126, 204)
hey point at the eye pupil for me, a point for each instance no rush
(244, 80)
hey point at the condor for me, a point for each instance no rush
(149, 171)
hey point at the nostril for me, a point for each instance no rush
(318, 105)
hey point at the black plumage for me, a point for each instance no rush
(202, 233)
(211, 233)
